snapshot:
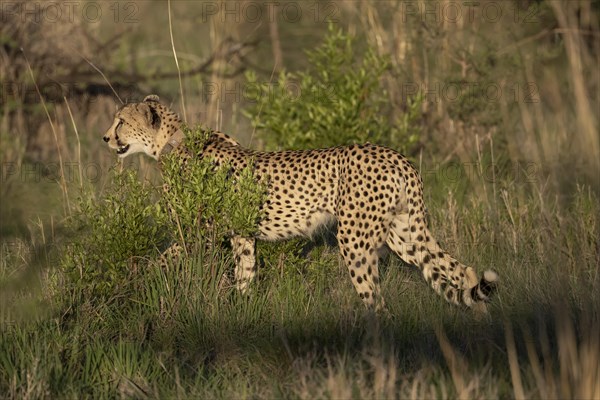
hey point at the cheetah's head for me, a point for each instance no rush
(143, 127)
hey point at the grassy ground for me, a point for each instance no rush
(304, 334)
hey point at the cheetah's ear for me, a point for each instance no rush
(150, 114)
(151, 98)
(154, 118)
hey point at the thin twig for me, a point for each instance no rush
(203, 68)
(102, 74)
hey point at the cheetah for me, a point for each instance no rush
(373, 193)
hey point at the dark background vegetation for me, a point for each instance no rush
(495, 102)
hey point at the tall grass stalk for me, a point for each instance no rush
(62, 180)
(513, 361)
(183, 109)
(79, 165)
(577, 56)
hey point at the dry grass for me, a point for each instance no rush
(575, 376)
(554, 126)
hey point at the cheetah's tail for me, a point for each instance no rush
(477, 296)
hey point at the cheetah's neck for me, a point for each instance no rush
(169, 137)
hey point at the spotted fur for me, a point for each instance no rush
(373, 192)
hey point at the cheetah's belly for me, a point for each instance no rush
(285, 226)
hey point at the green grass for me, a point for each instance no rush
(185, 332)
(19, 206)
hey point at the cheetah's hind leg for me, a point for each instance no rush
(362, 259)
(454, 281)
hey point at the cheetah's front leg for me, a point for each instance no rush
(170, 255)
(245, 261)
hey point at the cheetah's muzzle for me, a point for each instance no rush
(122, 149)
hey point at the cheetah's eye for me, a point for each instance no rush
(119, 125)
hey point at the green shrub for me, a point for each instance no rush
(204, 201)
(111, 236)
(339, 100)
